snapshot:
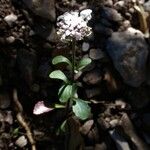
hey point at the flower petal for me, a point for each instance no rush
(40, 108)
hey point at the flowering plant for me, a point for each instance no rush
(72, 26)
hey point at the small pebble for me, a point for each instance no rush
(10, 19)
(4, 101)
(96, 54)
(86, 127)
(21, 141)
(10, 39)
(114, 123)
(85, 46)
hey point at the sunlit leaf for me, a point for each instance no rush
(58, 74)
(61, 59)
(83, 63)
(65, 92)
(81, 109)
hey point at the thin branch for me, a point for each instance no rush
(21, 120)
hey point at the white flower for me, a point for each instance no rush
(86, 14)
(40, 108)
(73, 25)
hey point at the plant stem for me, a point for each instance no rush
(72, 71)
(73, 57)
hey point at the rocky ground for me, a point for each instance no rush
(116, 83)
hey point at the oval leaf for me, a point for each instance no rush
(83, 63)
(65, 92)
(61, 59)
(58, 74)
(81, 109)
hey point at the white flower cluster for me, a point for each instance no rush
(74, 25)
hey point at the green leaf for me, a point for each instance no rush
(83, 63)
(61, 59)
(58, 74)
(65, 92)
(81, 109)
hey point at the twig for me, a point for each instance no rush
(21, 120)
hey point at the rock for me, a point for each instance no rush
(108, 3)
(146, 121)
(10, 39)
(44, 69)
(93, 77)
(21, 141)
(96, 54)
(9, 117)
(129, 53)
(4, 101)
(103, 123)
(120, 104)
(147, 6)
(27, 62)
(114, 123)
(35, 88)
(138, 97)
(91, 92)
(10, 19)
(100, 146)
(6, 116)
(43, 8)
(148, 72)
(85, 46)
(120, 141)
(88, 148)
(93, 135)
(45, 30)
(86, 127)
(102, 29)
(111, 14)
(119, 4)
(1, 81)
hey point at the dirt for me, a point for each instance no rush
(120, 112)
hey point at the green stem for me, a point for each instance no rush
(73, 58)
(73, 68)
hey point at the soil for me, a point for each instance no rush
(120, 118)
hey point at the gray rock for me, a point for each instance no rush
(147, 6)
(4, 101)
(96, 54)
(85, 46)
(101, 146)
(43, 8)
(121, 143)
(93, 77)
(91, 92)
(27, 62)
(129, 53)
(101, 29)
(10, 39)
(111, 14)
(138, 97)
(86, 127)
(45, 30)
(21, 141)
(10, 19)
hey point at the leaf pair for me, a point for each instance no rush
(82, 63)
(67, 92)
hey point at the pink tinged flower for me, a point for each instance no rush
(40, 108)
